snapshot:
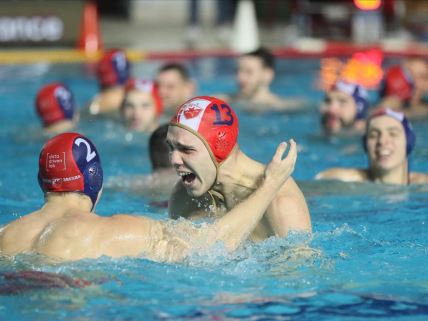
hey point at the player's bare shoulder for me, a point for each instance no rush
(344, 174)
(418, 178)
(20, 233)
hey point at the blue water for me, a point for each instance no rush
(369, 252)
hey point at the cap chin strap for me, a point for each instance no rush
(207, 146)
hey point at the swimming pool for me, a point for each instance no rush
(370, 244)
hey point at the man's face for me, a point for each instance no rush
(139, 110)
(338, 111)
(386, 143)
(173, 89)
(191, 160)
(251, 75)
(419, 70)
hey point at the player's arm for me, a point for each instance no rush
(239, 222)
(288, 211)
(174, 242)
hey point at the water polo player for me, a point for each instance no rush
(344, 108)
(389, 141)
(405, 86)
(66, 228)
(56, 108)
(113, 71)
(216, 175)
(141, 106)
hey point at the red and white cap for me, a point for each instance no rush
(213, 121)
(147, 86)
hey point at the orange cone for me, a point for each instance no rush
(90, 37)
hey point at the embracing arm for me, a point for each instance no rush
(288, 211)
(239, 222)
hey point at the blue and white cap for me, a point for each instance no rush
(359, 94)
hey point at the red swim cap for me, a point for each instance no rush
(397, 83)
(113, 68)
(54, 102)
(69, 162)
(146, 86)
(213, 121)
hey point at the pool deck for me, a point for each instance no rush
(145, 41)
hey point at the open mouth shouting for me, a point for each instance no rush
(187, 177)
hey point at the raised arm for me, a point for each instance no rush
(239, 222)
(160, 241)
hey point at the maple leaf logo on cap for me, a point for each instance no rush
(191, 111)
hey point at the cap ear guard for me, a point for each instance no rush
(93, 176)
(121, 66)
(410, 136)
(360, 97)
(88, 161)
(66, 100)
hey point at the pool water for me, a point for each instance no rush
(369, 249)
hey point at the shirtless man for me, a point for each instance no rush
(344, 109)
(404, 87)
(256, 71)
(389, 140)
(175, 86)
(141, 106)
(65, 228)
(56, 108)
(216, 175)
(113, 71)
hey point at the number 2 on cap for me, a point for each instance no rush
(219, 120)
(89, 153)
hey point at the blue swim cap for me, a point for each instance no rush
(359, 94)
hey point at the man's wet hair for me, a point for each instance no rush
(158, 148)
(175, 66)
(267, 58)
